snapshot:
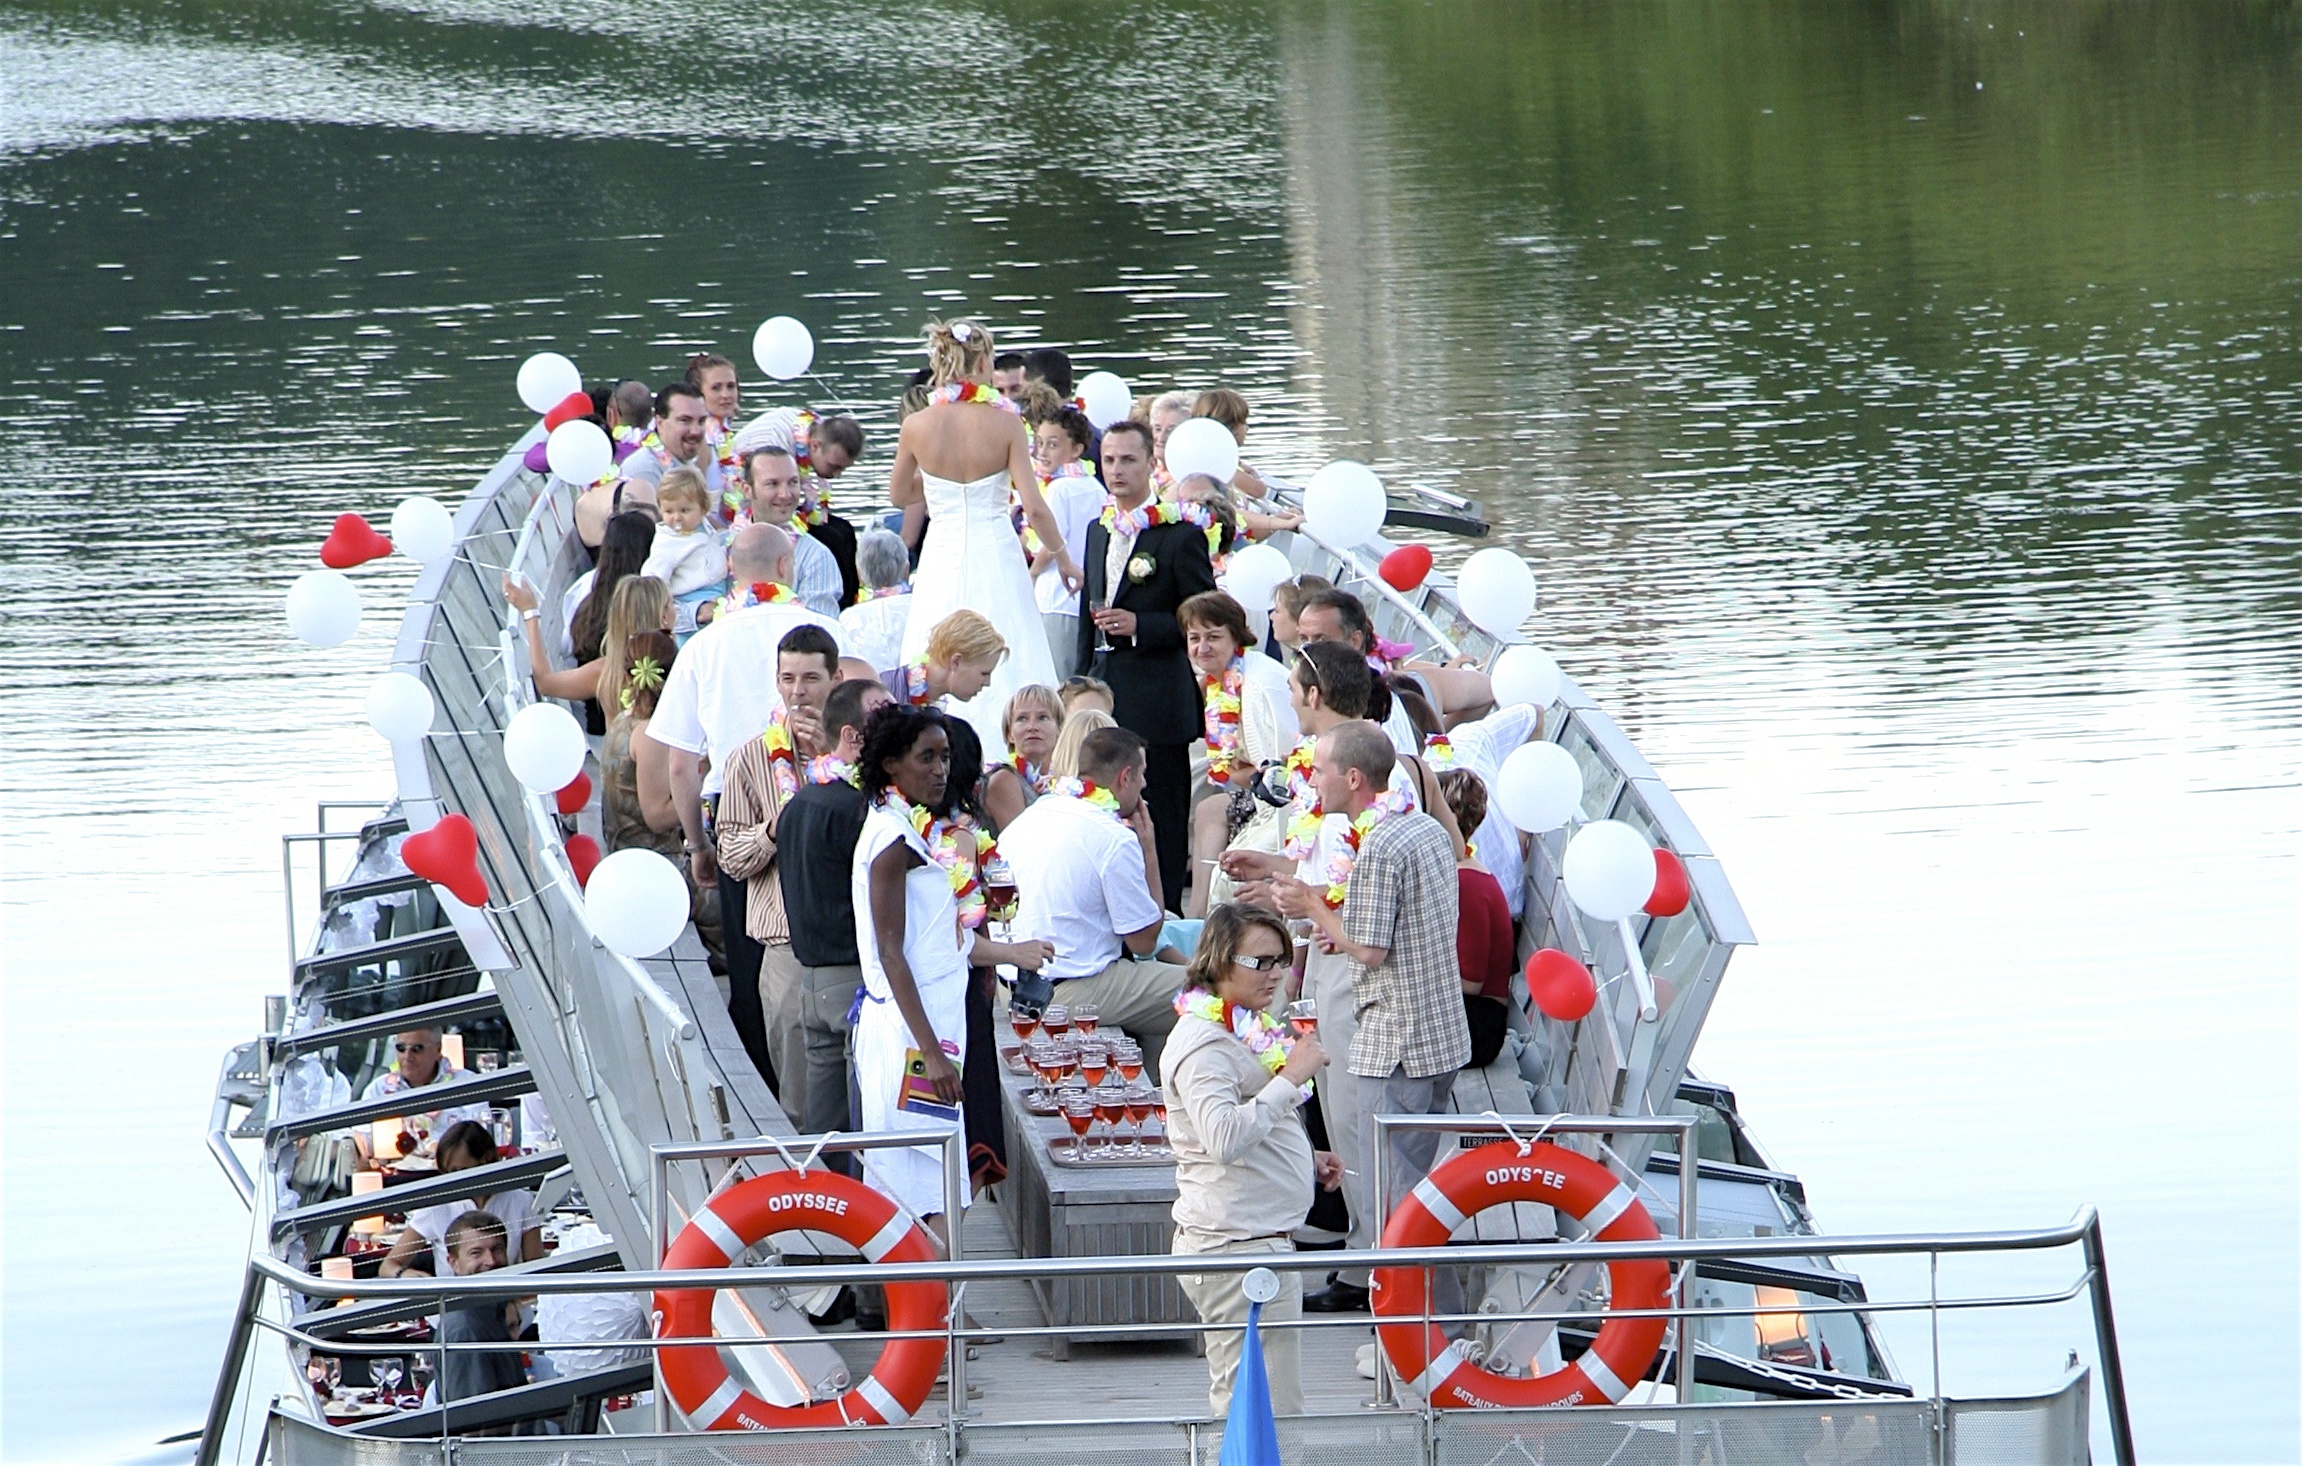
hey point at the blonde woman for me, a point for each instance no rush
(638, 603)
(1029, 728)
(962, 455)
(1063, 763)
(963, 655)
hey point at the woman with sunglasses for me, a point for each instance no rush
(1236, 1080)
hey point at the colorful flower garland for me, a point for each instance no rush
(1439, 753)
(782, 758)
(1037, 780)
(1132, 522)
(830, 768)
(960, 849)
(1266, 1037)
(1221, 696)
(1087, 791)
(915, 683)
(1339, 865)
(758, 593)
(969, 392)
(867, 595)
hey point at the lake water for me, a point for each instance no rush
(1899, 404)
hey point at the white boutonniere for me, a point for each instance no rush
(1139, 569)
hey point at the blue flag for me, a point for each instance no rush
(1251, 1434)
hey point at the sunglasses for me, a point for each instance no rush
(410, 1048)
(1257, 964)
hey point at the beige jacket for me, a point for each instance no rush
(1242, 1160)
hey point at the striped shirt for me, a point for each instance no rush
(749, 801)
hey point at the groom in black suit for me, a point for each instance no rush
(1154, 692)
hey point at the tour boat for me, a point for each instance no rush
(1055, 1329)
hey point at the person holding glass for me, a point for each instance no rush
(1235, 1080)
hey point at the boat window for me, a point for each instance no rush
(1714, 1134)
(1801, 1339)
(1599, 776)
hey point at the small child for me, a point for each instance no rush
(688, 555)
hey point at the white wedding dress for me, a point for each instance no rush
(973, 558)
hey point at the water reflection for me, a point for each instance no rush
(1908, 464)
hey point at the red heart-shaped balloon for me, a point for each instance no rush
(583, 854)
(576, 795)
(569, 408)
(1671, 892)
(351, 543)
(1560, 985)
(1404, 568)
(448, 854)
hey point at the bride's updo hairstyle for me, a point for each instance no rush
(958, 351)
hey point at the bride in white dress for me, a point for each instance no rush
(958, 455)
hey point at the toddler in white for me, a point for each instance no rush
(688, 554)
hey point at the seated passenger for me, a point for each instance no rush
(1485, 947)
(1250, 725)
(476, 1245)
(1082, 691)
(1077, 729)
(1236, 1082)
(1456, 692)
(872, 628)
(1087, 874)
(422, 1246)
(1287, 603)
(1230, 409)
(420, 1065)
(688, 554)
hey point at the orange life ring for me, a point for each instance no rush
(791, 1201)
(1491, 1175)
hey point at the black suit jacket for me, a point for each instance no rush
(1153, 689)
(838, 536)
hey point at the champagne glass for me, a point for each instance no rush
(1094, 605)
(1094, 1063)
(389, 1371)
(1109, 1106)
(1056, 1019)
(1039, 1055)
(1129, 1059)
(999, 892)
(1138, 1103)
(1079, 1114)
(1303, 1016)
(1023, 1020)
(1085, 1016)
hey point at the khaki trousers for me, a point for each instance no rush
(1221, 1298)
(1327, 982)
(1136, 996)
(780, 999)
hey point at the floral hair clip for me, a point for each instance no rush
(646, 676)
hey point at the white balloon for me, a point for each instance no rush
(1254, 574)
(422, 531)
(1525, 674)
(579, 452)
(323, 608)
(544, 747)
(400, 706)
(783, 347)
(637, 902)
(1107, 398)
(1202, 445)
(1343, 505)
(1539, 787)
(546, 379)
(1609, 869)
(1496, 590)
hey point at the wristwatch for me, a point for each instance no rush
(531, 614)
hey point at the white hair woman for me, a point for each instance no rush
(873, 627)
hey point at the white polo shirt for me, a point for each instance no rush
(721, 692)
(1074, 500)
(1081, 884)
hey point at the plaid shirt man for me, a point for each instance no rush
(1403, 898)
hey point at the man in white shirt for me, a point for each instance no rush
(1087, 874)
(421, 1065)
(773, 476)
(720, 695)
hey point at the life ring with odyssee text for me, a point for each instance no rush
(1465, 1185)
(727, 1226)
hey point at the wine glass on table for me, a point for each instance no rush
(1056, 1019)
(1084, 1016)
(1079, 1114)
(1137, 1101)
(1039, 1057)
(1127, 1057)
(1159, 1113)
(1024, 1019)
(1094, 1062)
(1110, 1106)
(389, 1371)
(1303, 1016)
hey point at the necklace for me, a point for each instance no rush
(1439, 753)
(758, 593)
(830, 768)
(1035, 779)
(969, 392)
(1340, 864)
(1303, 825)
(782, 758)
(959, 848)
(1200, 515)
(867, 595)
(1222, 698)
(1129, 523)
(1265, 1037)
(1087, 791)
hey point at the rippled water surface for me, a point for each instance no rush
(1900, 405)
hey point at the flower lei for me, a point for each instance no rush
(958, 848)
(969, 392)
(915, 683)
(1204, 518)
(758, 593)
(1221, 697)
(1439, 753)
(782, 758)
(867, 595)
(830, 768)
(646, 675)
(1303, 826)
(1035, 779)
(1087, 791)
(1132, 522)
(1032, 545)
(1265, 1037)
(1339, 865)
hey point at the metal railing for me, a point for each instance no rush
(2084, 1231)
